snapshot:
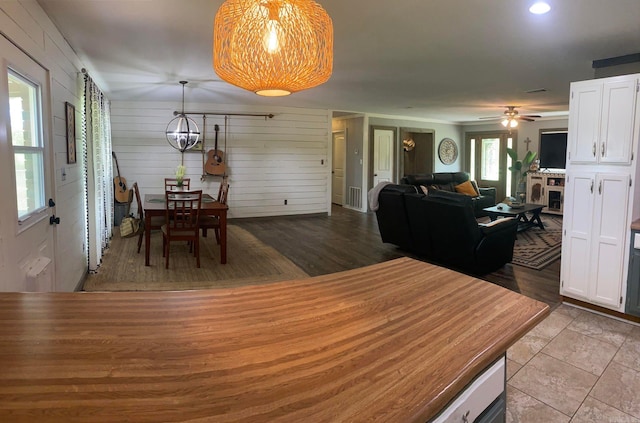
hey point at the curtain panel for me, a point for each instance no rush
(98, 171)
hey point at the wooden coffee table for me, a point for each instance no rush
(524, 222)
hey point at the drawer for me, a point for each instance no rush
(476, 397)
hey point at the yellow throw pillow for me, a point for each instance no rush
(467, 189)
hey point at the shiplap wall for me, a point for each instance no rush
(268, 160)
(26, 25)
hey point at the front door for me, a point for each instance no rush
(26, 236)
(489, 161)
(338, 163)
(382, 155)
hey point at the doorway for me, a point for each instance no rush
(383, 155)
(487, 160)
(26, 234)
(338, 165)
(418, 151)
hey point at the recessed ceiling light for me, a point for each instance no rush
(540, 8)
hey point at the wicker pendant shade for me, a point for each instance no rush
(273, 47)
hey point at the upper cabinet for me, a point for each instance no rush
(601, 114)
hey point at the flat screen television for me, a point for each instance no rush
(553, 150)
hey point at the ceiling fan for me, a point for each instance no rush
(511, 117)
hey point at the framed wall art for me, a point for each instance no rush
(447, 151)
(70, 115)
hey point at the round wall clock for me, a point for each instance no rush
(447, 151)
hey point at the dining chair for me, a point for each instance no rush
(171, 184)
(156, 221)
(182, 222)
(213, 222)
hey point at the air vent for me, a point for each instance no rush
(537, 90)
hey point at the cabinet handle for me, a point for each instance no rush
(602, 150)
(593, 149)
(465, 417)
(600, 188)
(591, 186)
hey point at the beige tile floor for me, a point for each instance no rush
(575, 366)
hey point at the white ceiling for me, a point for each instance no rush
(451, 60)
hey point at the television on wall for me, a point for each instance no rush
(553, 150)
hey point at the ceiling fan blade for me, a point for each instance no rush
(491, 117)
(526, 119)
(531, 116)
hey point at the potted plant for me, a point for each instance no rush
(180, 175)
(519, 169)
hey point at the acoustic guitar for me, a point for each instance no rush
(215, 165)
(120, 190)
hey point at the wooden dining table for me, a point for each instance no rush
(154, 205)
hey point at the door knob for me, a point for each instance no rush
(51, 202)
(53, 220)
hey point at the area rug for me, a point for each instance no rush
(249, 262)
(536, 248)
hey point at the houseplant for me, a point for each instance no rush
(519, 169)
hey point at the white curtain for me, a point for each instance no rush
(96, 142)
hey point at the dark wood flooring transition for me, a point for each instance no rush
(321, 244)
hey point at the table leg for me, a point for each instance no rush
(535, 220)
(492, 216)
(223, 237)
(147, 237)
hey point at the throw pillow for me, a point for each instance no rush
(424, 189)
(475, 186)
(466, 188)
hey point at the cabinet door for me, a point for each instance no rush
(577, 231)
(616, 129)
(633, 280)
(584, 119)
(535, 189)
(610, 228)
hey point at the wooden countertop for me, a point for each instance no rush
(393, 342)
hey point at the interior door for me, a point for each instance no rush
(26, 235)
(489, 161)
(382, 155)
(338, 164)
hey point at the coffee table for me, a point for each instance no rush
(524, 222)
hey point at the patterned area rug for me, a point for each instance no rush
(536, 248)
(249, 262)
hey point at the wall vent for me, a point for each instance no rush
(354, 198)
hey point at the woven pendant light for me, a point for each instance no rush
(273, 47)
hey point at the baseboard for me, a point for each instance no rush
(601, 310)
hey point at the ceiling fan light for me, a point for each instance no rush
(513, 123)
(273, 47)
(505, 122)
(540, 8)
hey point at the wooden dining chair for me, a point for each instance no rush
(156, 221)
(213, 222)
(171, 184)
(182, 222)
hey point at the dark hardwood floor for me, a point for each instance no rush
(321, 244)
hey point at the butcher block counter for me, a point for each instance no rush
(392, 342)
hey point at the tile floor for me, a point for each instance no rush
(575, 366)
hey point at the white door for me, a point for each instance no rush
(577, 225)
(26, 236)
(584, 121)
(338, 164)
(382, 156)
(609, 243)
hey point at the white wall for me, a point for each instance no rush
(268, 160)
(26, 25)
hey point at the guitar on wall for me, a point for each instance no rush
(120, 190)
(215, 164)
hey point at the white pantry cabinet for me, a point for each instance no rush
(601, 120)
(599, 204)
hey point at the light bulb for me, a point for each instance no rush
(271, 38)
(505, 123)
(513, 123)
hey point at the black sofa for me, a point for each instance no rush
(442, 228)
(447, 181)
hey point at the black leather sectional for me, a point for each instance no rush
(442, 228)
(447, 181)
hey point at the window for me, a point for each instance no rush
(28, 147)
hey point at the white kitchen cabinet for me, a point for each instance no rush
(594, 237)
(601, 120)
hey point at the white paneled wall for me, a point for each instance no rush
(268, 160)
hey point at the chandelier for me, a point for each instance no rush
(273, 47)
(182, 131)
